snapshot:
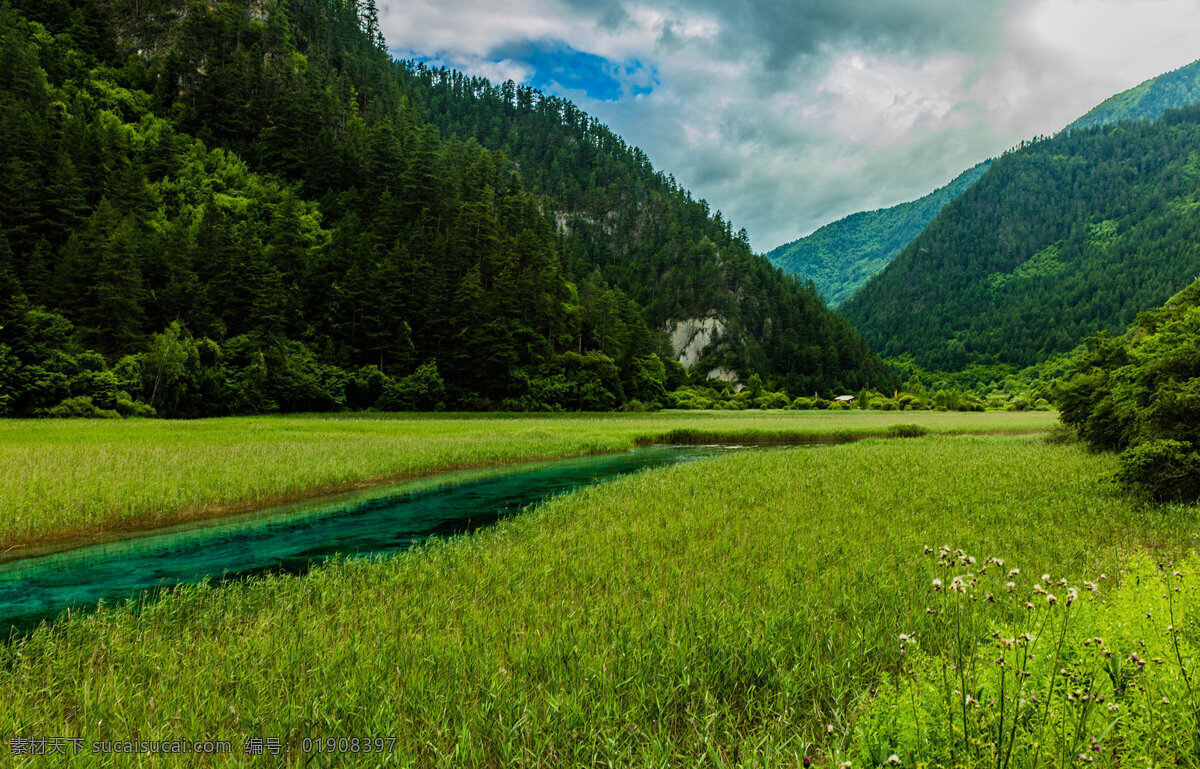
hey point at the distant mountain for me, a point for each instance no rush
(1060, 239)
(1149, 100)
(843, 255)
(840, 257)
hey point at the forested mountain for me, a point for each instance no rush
(843, 255)
(248, 206)
(1061, 238)
(1149, 100)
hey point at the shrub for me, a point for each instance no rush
(81, 406)
(1162, 469)
(421, 390)
(802, 404)
(907, 431)
(769, 400)
(128, 407)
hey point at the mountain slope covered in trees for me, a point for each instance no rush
(1062, 238)
(843, 255)
(1148, 100)
(247, 206)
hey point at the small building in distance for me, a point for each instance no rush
(845, 399)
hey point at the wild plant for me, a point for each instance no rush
(1036, 673)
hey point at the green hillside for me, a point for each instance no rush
(243, 207)
(843, 255)
(1149, 100)
(840, 257)
(1061, 238)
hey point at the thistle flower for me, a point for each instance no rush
(1045, 578)
(1091, 586)
(1071, 595)
(1051, 599)
(937, 583)
(1013, 572)
(1039, 589)
(1010, 586)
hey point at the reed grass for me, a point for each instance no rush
(76, 480)
(737, 611)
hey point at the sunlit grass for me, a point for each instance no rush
(720, 612)
(70, 480)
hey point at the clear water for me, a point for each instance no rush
(293, 539)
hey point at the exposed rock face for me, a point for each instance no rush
(690, 337)
(725, 375)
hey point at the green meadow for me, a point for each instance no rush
(745, 610)
(78, 479)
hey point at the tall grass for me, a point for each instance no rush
(1043, 673)
(73, 480)
(736, 611)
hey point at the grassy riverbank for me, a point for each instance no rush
(716, 613)
(75, 480)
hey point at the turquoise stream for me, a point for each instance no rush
(292, 539)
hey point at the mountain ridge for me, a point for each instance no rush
(841, 256)
(1063, 237)
(1147, 100)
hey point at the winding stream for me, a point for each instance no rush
(293, 539)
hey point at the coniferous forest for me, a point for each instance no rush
(246, 207)
(843, 255)
(1062, 238)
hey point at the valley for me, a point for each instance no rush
(369, 398)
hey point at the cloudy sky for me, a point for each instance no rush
(787, 114)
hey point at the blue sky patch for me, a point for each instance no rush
(557, 68)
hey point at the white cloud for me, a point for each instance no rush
(786, 115)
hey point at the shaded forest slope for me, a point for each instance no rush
(249, 206)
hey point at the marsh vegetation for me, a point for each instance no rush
(740, 610)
